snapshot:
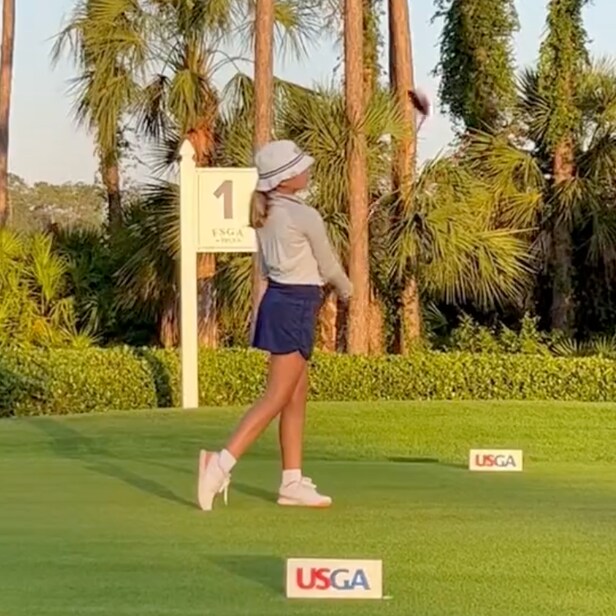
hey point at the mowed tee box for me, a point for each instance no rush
(496, 460)
(317, 578)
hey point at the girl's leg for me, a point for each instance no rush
(291, 426)
(295, 489)
(285, 372)
(214, 469)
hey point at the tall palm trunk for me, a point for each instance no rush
(6, 82)
(359, 267)
(376, 319)
(401, 77)
(331, 314)
(168, 325)
(264, 105)
(371, 50)
(264, 71)
(563, 309)
(376, 331)
(110, 172)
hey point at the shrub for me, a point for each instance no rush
(71, 381)
(36, 307)
(470, 337)
(61, 381)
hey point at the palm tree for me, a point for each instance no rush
(264, 102)
(317, 121)
(372, 71)
(179, 102)
(563, 57)
(6, 81)
(402, 84)
(105, 40)
(264, 71)
(521, 175)
(454, 241)
(359, 270)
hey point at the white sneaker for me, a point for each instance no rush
(302, 493)
(212, 480)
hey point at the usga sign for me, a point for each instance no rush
(309, 578)
(496, 460)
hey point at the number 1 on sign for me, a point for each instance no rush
(225, 190)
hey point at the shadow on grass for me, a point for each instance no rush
(410, 460)
(71, 444)
(260, 493)
(267, 571)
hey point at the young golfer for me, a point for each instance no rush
(297, 260)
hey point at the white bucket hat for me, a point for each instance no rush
(279, 161)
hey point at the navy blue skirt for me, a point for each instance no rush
(287, 319)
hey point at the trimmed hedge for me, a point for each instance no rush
(62, 381)
(80, 381)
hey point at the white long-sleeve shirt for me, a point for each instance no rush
(295, 249)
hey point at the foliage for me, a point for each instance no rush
(105, 40)
(149, 244)
(35, 207)
(69, 381)
(519, 178)
(316, 120)
(563, 60)
(61, 381)
(455, 242)
(476, 66)
(470, 337)
(36, 307)
(90, 266)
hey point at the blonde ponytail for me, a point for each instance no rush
(259, 209)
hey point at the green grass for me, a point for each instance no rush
(97, 514)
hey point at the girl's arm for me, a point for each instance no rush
(326, 258)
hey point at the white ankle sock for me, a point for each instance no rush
(226, 461)
(292, 476)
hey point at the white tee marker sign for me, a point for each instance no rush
(496, 460)
(309, 578)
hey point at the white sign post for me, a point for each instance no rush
(214, 217)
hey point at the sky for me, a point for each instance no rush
(47, 146)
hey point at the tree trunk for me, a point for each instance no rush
(111, 180)
(264, 71)
(411, 317)
(563, 308)
(206, 301)
(328, 324)
(402, 82)
(342, 327)
(377, 326)
(264, 106)
(6, 83)
(169, 327)
(376, 338)
(359, 268)
(371, 50)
